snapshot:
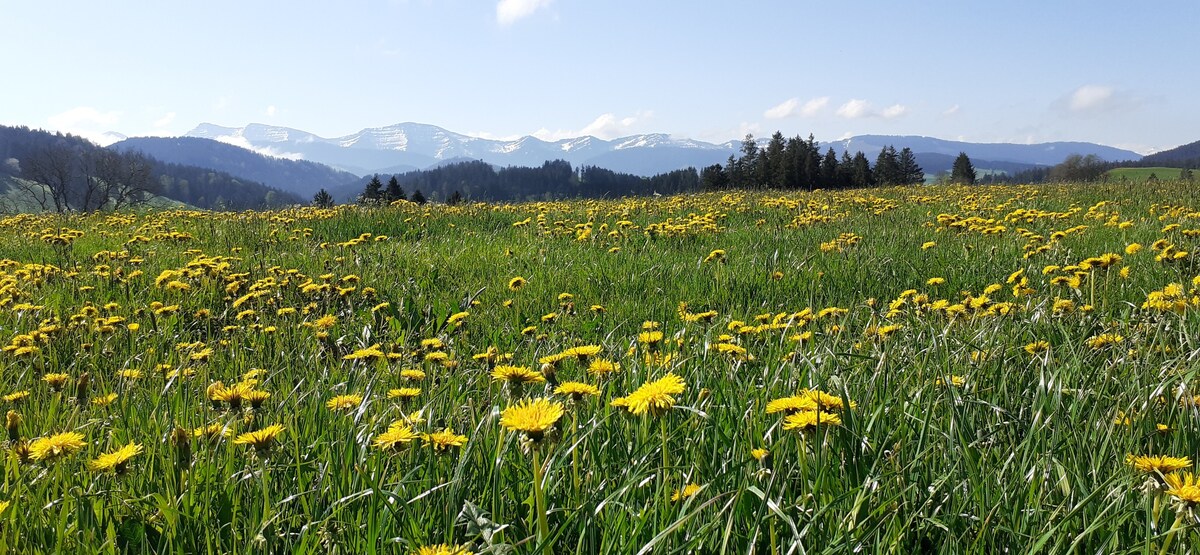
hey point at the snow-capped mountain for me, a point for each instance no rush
(422, 145)
(418, 145)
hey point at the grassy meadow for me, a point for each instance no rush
(1140, 175)
(926, 369)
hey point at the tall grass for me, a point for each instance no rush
(1026, 453)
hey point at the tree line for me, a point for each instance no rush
(797, 163)
(480, 181)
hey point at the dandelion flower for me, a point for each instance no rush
(117, 461)
(517, 375)
(517, 283)
(397, 436)
(533, 417)
(793, 404)
(1184, 487)
(577, 390)
(344, 402)
(1157, 464)
(687, 491)
(56, 446)
(260, 440)
(443, 441)
(810, 420)
(656, 397)
(600, 367)
(442, 549)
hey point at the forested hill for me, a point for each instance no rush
(65, 173)
(297, 176)
(1184, 156)
(480, 181)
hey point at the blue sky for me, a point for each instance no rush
(1109, 72)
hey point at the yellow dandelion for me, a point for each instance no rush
(516, 375)
(1157, 464)
(443, 441)
(56, 446)
(577, 390)
(532, 416)
(261, 440)
(687, 491)
(344, 402)
(116, 461)
(397, 437)
(657, 397)
(810, 420)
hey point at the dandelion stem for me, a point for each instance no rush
(1171, 533)
(539, 503)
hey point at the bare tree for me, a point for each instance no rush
(52, 171)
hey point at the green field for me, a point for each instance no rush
(903, 370)
(1142, 174)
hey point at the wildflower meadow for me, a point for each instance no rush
(921, 369)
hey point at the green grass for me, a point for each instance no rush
(1024, 456)
(1142, 174)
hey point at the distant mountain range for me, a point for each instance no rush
(405, 146)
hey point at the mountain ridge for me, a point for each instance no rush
(422, 145)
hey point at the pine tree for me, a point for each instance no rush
(829, 170)
(322, 199)
(887, 167)
(861, 175)
(373, 192)
(456, 198)
(393, 191)
(776, 163)
(418, 197)
(963, 171)
(910, 172)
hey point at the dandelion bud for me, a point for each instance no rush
(13, 423)
(182, 440)
(81, 387)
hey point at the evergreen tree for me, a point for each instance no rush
(322, 199)
(963, 171)
(861, 175)
(393, 191)
(775, 174)
(418, 197)
(455, 198)
(373, 191)
(845, 171)
(714, 178)
(887, 167)
(910, 172)
(829, 170)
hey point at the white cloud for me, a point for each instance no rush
(165, 120)
(87, 122)
(857, 108)
(510, 11)
(238, 140)
(894, 111)
(606, 126)
(793, 107)
(1090, 98)
(950, 111)
(271, 110)
(854, 109)
(83, 116)
(1098, 99)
